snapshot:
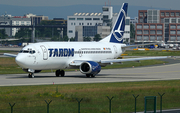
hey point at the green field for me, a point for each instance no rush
(30, 99)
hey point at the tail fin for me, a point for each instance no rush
(116, 35)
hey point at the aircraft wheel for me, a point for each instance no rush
(57, 73)
(88, 75)
(92, 75)
(62, 73)
(31, 75)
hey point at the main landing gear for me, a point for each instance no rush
(31, 75)
(90, 75)
(60, 72)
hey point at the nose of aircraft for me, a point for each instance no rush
(20, 60)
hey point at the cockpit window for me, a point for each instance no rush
(27, 51)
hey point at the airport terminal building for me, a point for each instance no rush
(89, 24)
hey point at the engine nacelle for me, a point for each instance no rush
(90, 67)
(36, 71)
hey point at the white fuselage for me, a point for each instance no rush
(58, 55)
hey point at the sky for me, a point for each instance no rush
(169, 4)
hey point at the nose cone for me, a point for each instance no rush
(20, 61)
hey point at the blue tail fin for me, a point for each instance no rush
(116, 35)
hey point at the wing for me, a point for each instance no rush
(9, 55)
(132, 59)
(129, 46)
(110, 61)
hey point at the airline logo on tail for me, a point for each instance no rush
(118, 29)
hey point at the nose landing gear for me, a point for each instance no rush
(31, 75)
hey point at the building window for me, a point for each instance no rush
(105, 9)
(139, 26)
(172, 13)
(141, 13)
(139, 31)
(90, 23)
(159, 38)
(152, 26)
(145, 38)
(139, 38)
(79, 23)
(173, 26)
(127, 22)
(173, 38)
(167, 20)
(87, 23)
(79, 18)
(159, 31)
(145, 14)
(177, 13)
(74, 23)
(173, 20)
(152, 38)
(70, 31)
(105, 16)
(96, 18)
(89, 31)
(167, 13)
(150, 12)
(162, 13)
(159, 26)
(71, 23)
(178, 20)
(146, 26)
(71, 18)
(178, 26)
(146, 32)
(172, 32)
(178, 32)
(152, 32)
(178, 38)
(141, 20)
(82, 23)
(88, 18)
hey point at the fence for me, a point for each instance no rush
(75, 105)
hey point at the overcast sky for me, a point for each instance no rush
(170, 4)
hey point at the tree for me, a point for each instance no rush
(86, 39)
(72, 39)
(97, 37)
(3, 34)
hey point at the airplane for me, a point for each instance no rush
(89, 57)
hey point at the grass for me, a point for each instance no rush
(30, 99)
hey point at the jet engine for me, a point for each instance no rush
(90, 67)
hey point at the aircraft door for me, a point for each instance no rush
(115, 51)
(45, 52)
(80, 53)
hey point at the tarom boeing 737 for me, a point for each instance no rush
(89, 57)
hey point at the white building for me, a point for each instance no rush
(19, 21)
(89, 24)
